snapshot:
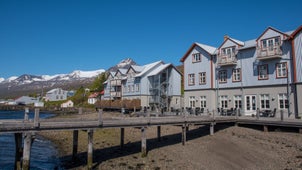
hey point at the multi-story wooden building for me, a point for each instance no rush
(157, 85)
(262, 73)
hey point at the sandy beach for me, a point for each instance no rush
(229, 148)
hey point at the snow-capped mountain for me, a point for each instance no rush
(25, 84)
(75, 75)
(125, 64)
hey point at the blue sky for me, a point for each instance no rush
(59, 36)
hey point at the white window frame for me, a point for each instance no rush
(196, 57)
(223, 101)
(238, 101)
(203, 101)
(264, 101)
(236, 75)
(192, 101)
(283, 101)
(191, 79)
(281, 70)
(202, 78)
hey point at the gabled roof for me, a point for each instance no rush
(122, 71)
(136, 68)
(271, 28)
(240, 43)
(147, 68)
(209, 49)
(296, 31)
(237, 41)
(248, 44)
(161, 68)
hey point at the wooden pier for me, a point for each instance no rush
(29, 127)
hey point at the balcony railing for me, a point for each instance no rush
(116, 82)
(227, 59)
(269, 52)
(116, 94)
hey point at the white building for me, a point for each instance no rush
(67, 104)
(56, 95)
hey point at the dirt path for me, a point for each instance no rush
(229, 148)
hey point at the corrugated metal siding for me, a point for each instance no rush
(298, 54)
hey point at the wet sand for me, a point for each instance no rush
(229, 148)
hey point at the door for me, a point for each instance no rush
(250, 104)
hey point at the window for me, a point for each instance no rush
(236, 75)
(270, 44)
(223, 101)
(132, 88)
(128, 89)
(137, 87)
(237, 101)
(281, 70)
(202, 78)
(228, 51)
(192, 101)
(222, 76)
(203, 102)
(263, 72)
(264, 101)
(191, 79)
(196, 57)
(283, 101)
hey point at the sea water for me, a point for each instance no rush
(43, 153)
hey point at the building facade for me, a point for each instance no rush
(56, 95)
(157, 85)
(248, 75)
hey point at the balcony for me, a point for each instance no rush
(227, 59)
(116, 94)
(273, 52)
(116, 82)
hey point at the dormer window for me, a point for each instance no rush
(270, 43)
(228, 51)
(196, 57)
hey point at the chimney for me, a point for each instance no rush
(225, 37)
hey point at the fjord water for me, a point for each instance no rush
(43, 153)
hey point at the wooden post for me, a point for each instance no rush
(265, 128)
(26, 117)
(90, 150)
(36, 120)
(212, 129)
(159, 133)
(122, 137)
(18, 152)
(26, 150)
(281, 115)
(144, 142)
(100, 117)
(75, 144)
(184, 134)
(257, 113)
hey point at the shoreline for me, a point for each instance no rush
(229, 148)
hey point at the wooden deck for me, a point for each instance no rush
(29, 127)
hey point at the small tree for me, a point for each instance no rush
(98, 83)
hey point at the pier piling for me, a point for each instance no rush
(184, 134)
(144, 142)
(75, 144)
(18, 151)
(159, 133)
(122, 137)
(90, 149)
(26, 150)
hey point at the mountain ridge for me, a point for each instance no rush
(26, 84)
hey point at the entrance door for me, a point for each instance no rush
(250, 104)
